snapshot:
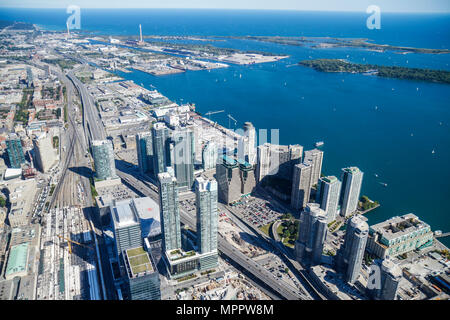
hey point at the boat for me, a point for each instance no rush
(376, 175)
(432, 151)
(319, 144)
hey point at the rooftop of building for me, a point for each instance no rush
(329, 179)
(398, 226)
(139, 262)
(146, 208)
(351, 169)
(123, 214)
(17, 261)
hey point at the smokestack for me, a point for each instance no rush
(140, 32)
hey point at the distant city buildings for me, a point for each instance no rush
(314, 158)
(15, 152)
(351, 253)
(311, 235)
(328, 196)
(399, 235)
(144, 147)
(301, 185)
(103, 154)
(351, 187)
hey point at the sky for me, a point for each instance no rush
(307, 5)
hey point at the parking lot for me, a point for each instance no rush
(257, 212)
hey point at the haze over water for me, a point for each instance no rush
(386, 127)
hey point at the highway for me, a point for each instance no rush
(95, 131)
(284, 290)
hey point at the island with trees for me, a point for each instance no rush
(340, 65)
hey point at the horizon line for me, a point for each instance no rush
(230, 9)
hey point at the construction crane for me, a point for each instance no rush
(213, 112)
(229, 121)
(69, 243)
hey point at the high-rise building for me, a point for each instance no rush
(103, 154)
(161, 148)
(206, 201)
(247, 175)
(170, 215)
(247, 144)
(142, 277)
(182, 156)
(351, 187)
(45, 154)
(328, 196)
(15, 152)
(127, 228)
(277, 160)
(144, 147)
(390, 276)
(228, 180)
(209, 155)
(314, 158)
(351, 253)
(311, 235)
(301, 185)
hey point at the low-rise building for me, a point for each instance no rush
(399, 235)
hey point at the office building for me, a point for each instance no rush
(351, 253)
(15, 152)
(314, 158)
(351, 187)
(311, 235)
(142, 278)
(247, 176)
(301, 185)
(144, 147)
(228, 180)
(328, 196)
(207, 219)
(169, 211)
(126, 226)
(103, 154)
(161, 148)
(399, 235)
(45, 155)
(209, 156)
(390, 276)
(182, 157)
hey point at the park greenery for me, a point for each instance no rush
(339, 65)
(288, 231)
(365, 203)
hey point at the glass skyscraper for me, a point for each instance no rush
(103, 154)
(144, 147)
(170, 215)
(351, 188)
(328, 196)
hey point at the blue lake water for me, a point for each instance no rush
(386, 127)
